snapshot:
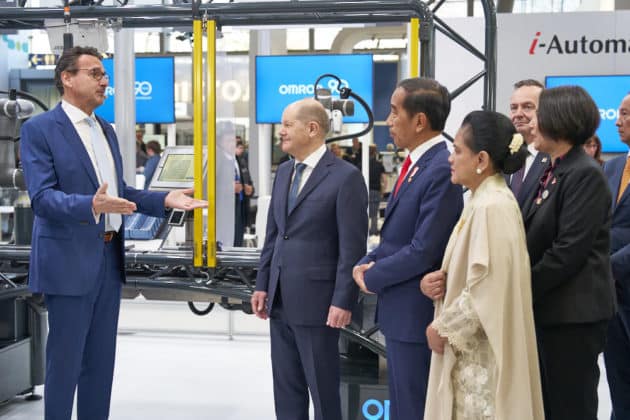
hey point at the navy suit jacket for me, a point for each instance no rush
(620, 229)
(67, 244)
(418, 222)
(309, 253)
(532, 180)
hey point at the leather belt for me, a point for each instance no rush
(109, 235)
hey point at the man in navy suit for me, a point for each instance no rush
(617, 349)
(419, 218)
(316, 232)
(73, 171)
(523, 105)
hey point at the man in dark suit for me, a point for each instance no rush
(419, 218)
(616, 354)
(316, 232)
(73, 171)
(523, 105)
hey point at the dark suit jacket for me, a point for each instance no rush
(310, 252)
(620, 229)
(532, 180)
(417, 225)
(568, 239)
(67, 245)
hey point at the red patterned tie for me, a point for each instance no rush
(403, 174)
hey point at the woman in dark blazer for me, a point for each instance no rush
(568, 238)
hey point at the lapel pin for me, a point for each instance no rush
(415, 169)
(538, 201)
(544, 160)
(553, 181)
(545, 194)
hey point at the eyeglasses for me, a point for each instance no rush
(96, 74)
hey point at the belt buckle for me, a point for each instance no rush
(108, 236)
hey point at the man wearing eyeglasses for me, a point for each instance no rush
(73, 170)
(523, 105)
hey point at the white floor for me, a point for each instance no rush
(172, 364)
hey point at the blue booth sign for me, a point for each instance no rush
(282, 79)
(607, 92)
(154, 89)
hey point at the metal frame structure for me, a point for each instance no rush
(228, 277)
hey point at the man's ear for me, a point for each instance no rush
(420, 121)
(313, 129)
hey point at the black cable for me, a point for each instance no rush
(345, 93)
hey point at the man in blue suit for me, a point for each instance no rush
(73, 171)
(523, 105)
(316, 231)
(419, 218)
(617, 351)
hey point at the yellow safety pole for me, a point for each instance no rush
(211, 59)
(414, 48)
(197, 139)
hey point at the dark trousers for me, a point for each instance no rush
(408, 375)
(82, 345)
(304, 358)
(240, 218)
(373, 205)
(569, 373)
(617, 358)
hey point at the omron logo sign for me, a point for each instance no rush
(582, 45)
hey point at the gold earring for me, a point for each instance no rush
(478, 171)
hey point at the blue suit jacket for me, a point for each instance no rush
(311, 251)
(418, 223)
(620, 229)
(67, 245)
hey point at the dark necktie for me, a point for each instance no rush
(517, 180)
(403, 174)
(295, 185)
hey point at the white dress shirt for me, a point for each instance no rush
(311, 162)
(78, 119)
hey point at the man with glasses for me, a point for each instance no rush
(73, 170)
(617, 349)
(523, 105)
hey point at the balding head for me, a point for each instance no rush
(305, 124)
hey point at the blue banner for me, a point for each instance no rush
(607, 92)
(283, 79)
(155, 90)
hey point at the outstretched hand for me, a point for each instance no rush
(181, 199)
(104, 203)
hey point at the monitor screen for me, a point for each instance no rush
(177, 168)
(607, 92)
(283, 79)
(154, 89)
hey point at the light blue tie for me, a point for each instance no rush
(295, 185)
(100, 146)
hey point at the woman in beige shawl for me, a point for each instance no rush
(484, 363)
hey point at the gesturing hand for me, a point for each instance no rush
(180, 199)
(103, 203)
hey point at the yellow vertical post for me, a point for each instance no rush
(211, 118)
(197, 139)
(414, 48)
